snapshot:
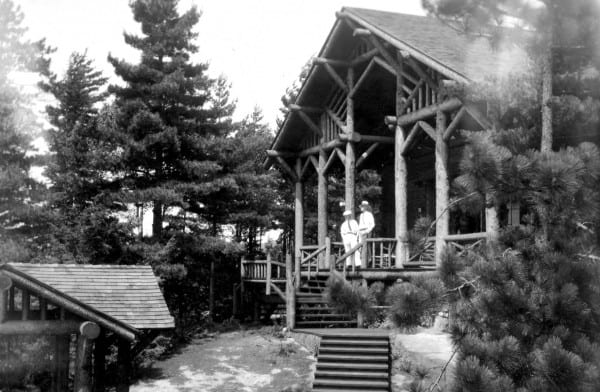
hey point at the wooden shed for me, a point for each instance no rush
(96, 303)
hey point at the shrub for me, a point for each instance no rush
(414, 302)
(348, 298)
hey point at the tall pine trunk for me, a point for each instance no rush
(157, 219)
(546, 144)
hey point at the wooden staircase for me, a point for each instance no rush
(353, 363)
(313, 311)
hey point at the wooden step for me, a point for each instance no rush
(325, 324)
(352, 366)
(310, 315)
(353, 350)
(351, 374)
(352, 358)
(363, 385)
(355, 342)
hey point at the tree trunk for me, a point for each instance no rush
(157, 219)
(546, 144)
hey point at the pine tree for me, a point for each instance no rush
(563, 41)
(18, 192)
(167, 132)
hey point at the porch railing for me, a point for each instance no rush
(268, 271)
(462, 243)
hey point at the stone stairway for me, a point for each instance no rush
(353, 363)
(313, 311)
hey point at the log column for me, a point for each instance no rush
(400, 179)
(442, 187)
(5, 285)
(123, 365)
(350, 153)
(290, 294)
(61, 362)
(298, 220)
(322, 205)
(99, 362)
(88, 331)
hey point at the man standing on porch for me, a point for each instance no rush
(349, 231)
(366, 223)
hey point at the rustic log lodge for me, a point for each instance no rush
(82, 310)
(374, 99)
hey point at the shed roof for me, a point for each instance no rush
(127, 294)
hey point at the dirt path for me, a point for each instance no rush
(249, 361)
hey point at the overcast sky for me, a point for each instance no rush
(260, 46)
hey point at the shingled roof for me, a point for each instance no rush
(127, 294)
(470, 57)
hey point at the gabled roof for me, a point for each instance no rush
(457, 55)
(127, 294)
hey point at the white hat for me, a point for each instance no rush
(364, 203)
(347, 213)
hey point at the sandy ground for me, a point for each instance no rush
(249, 361)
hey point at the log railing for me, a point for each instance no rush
(462, 243)
(381, 252)
(267, 271)
(423, 254)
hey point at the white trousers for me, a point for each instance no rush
(350, 241)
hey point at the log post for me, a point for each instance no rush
(322, 204)
(11, 299)
(123, 365)
(268, 277)
(442, 187)
(298, 220)
(25, 302)
(290, 294)
(88, 331)
(100, 362)
(235, 306)
(61, 362)
(5, 285)
(400, 179)
(328, 263)
(350, 153)
(43, 309)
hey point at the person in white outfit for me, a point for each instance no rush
(349, 231)
(366, 223)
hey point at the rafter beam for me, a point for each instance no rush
(452, 127)
(307, 109)
(391, 70)
(377, 139)
(362, 78)
(363, 157)
(325, 146)
(336, 120)
(341, 155)
(329, 162)
(311, 124)
(422, 74)
(364, 57)
(323, 60)
(411, 96)
(283, 154)
(286, 168)
(412, 135)
(421, 114)
(429, 130)
(334, 75)
(305, 168)
(314, 162)
(360, 32)
(386, 55)
(479, 117)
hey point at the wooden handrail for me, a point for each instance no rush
(466, 237)
(313, 254)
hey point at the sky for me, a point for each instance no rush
(260, 46)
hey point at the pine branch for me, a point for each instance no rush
(437, 382)
(450, 205)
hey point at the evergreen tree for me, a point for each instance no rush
(18, 192)
(563, 42)
(166, 129)
(81, 167)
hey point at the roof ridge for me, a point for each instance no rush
(112, 266)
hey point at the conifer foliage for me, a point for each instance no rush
(162, 118)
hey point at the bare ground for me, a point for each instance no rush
(250, 361)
